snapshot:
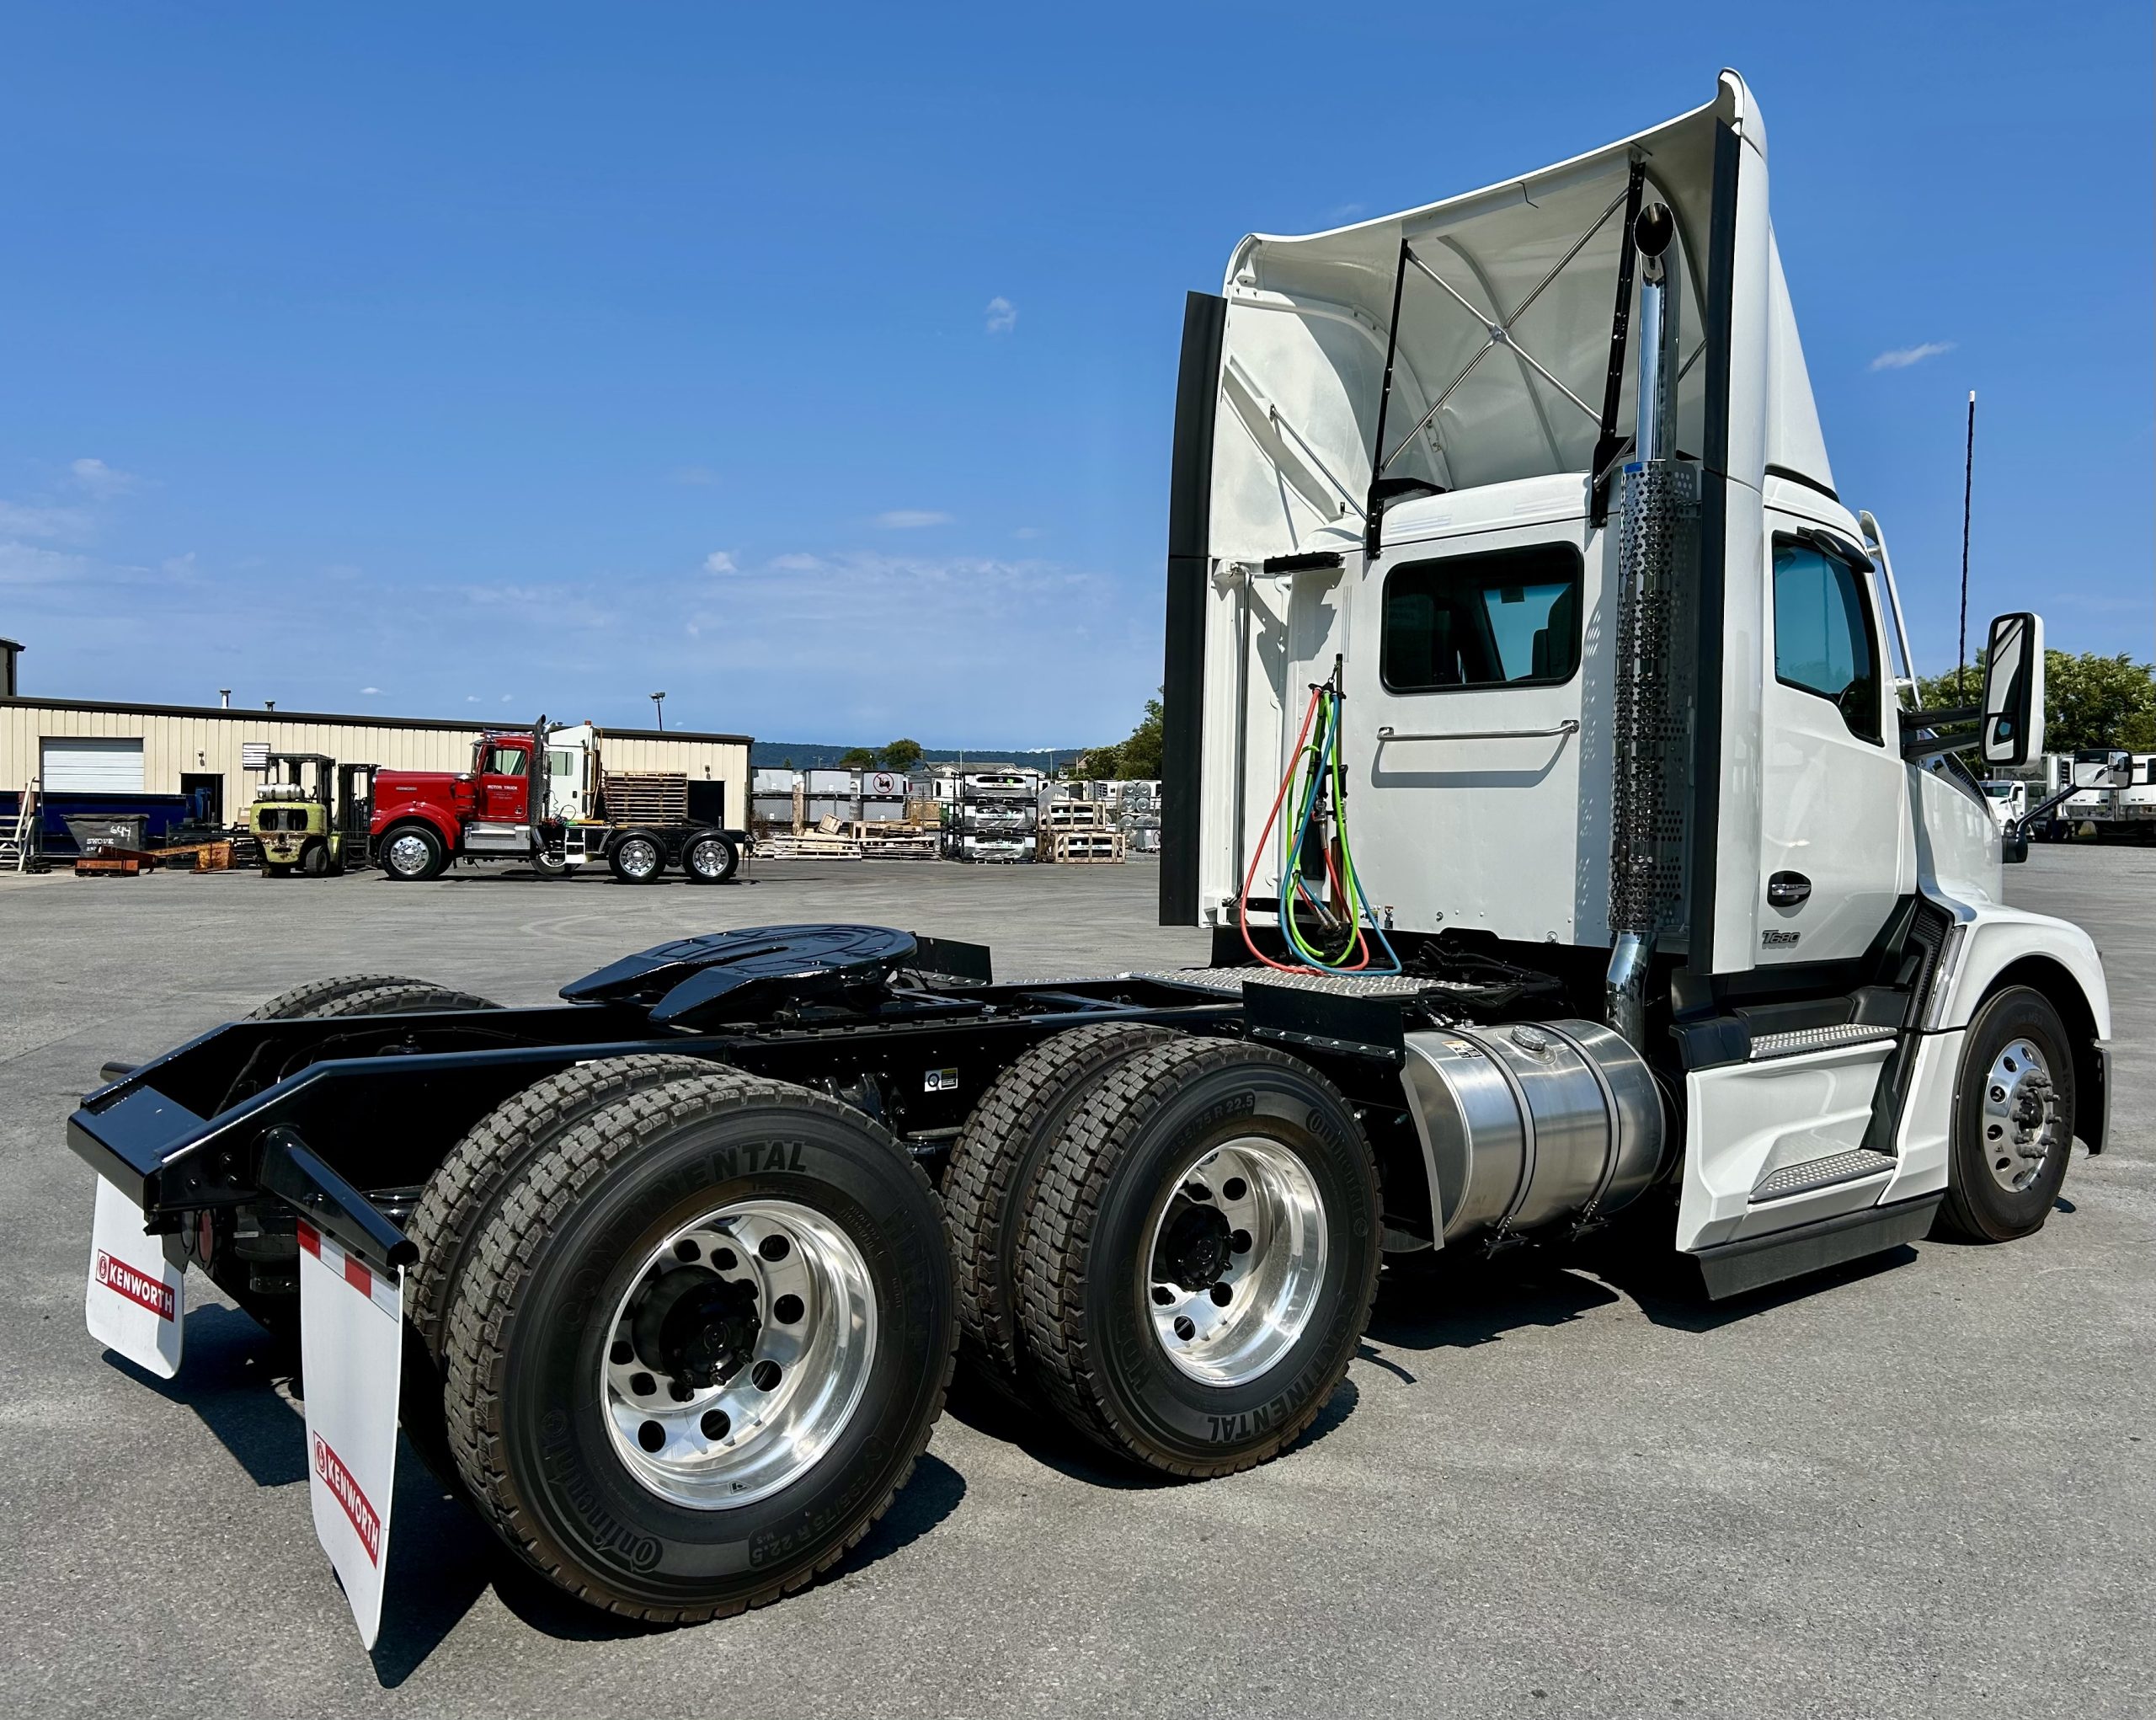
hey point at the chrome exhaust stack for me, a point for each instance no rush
(1657, 537)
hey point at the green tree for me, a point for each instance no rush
(858, 758)
(1139, 757)
(2090, 700)
(902, 755)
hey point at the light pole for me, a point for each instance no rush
(659, 704)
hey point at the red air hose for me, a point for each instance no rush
(1258, 854)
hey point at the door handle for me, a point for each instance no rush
(1788, 889)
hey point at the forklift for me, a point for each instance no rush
(311, 815)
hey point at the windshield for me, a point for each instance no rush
(1999, 790)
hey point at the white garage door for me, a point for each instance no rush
(80, 765)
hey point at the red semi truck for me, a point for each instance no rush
(540, 797)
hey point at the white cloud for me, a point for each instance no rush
(33, 519)
(1002, 315)
(509, 698)
(911, 518)
(796, 563)
(1900, 358)
(27, 565)
(100, 479)
(366, 690)
(470, 699)
(178, 566)
(719, 561)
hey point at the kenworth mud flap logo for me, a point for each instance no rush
(367, 1521)
(124, 1280)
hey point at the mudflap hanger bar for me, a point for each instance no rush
(295, 1176)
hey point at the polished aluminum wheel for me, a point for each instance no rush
(738, 1354)
(409, 855)
(638, 857)
(1237, 1261)
(2020, 1115)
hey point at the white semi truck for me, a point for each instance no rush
(1571, 857)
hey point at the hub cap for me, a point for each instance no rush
(2021, 1116)
(738, 1354)
(639, 859)
(408, 855)
(708, 858)
(1236, 1262)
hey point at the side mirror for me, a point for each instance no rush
(2013, 731)
(2013, 848)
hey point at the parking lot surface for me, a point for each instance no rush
(1924, 1484)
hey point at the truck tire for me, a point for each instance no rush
(636, 858)
(2012, 1128)
(365, 994)
(465, 1188)
(1200, 1256)
(766, 1251)
(995, 1167)
(412, 853)
(709, 859)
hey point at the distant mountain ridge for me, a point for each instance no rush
(812, 755)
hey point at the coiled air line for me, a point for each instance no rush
(1316, 758)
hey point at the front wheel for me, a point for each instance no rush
(710, 859)
(412, 854)
(314, 860)
(698, 1345)
(2012, 1130)
(1199, 1259)
(637, 859)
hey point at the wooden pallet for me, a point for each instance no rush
(200, 856)
(1074, 815)
(812, 846)
(646, 797)
(1087, 847)
(115, 863)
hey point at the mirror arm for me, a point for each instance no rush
(1949, 713)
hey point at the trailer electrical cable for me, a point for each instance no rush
(1317, 761)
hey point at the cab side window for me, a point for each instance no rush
(1507, 617)
(505, 761)
(1824, 641)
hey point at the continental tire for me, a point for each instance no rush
(1188, 1335)
(989, 1182)
(588, 1247)
(464, 1189)
(365, 994)
(2012, 1128)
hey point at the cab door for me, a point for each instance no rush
(505, 788)
(1834, 822)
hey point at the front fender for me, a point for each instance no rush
(1989, 938)
(432, 817)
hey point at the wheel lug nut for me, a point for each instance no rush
(774, 1248)
(642, 1385)
(715, 1425)
(1163, 1295)
(680, 1390)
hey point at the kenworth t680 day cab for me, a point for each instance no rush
(541, 796)
(1573, 851)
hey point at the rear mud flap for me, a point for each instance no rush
(137, 1302)
(351, 1347)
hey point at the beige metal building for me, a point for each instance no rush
(110, 747)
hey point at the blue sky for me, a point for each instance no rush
(817, 365)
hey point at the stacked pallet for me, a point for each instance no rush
(646, 797)
(1074, 815)
(886, 839)
(1087, 847)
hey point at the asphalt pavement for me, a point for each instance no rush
(1925, 1484)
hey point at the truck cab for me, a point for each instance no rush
(1522, 501)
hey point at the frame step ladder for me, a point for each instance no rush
(18, 847)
